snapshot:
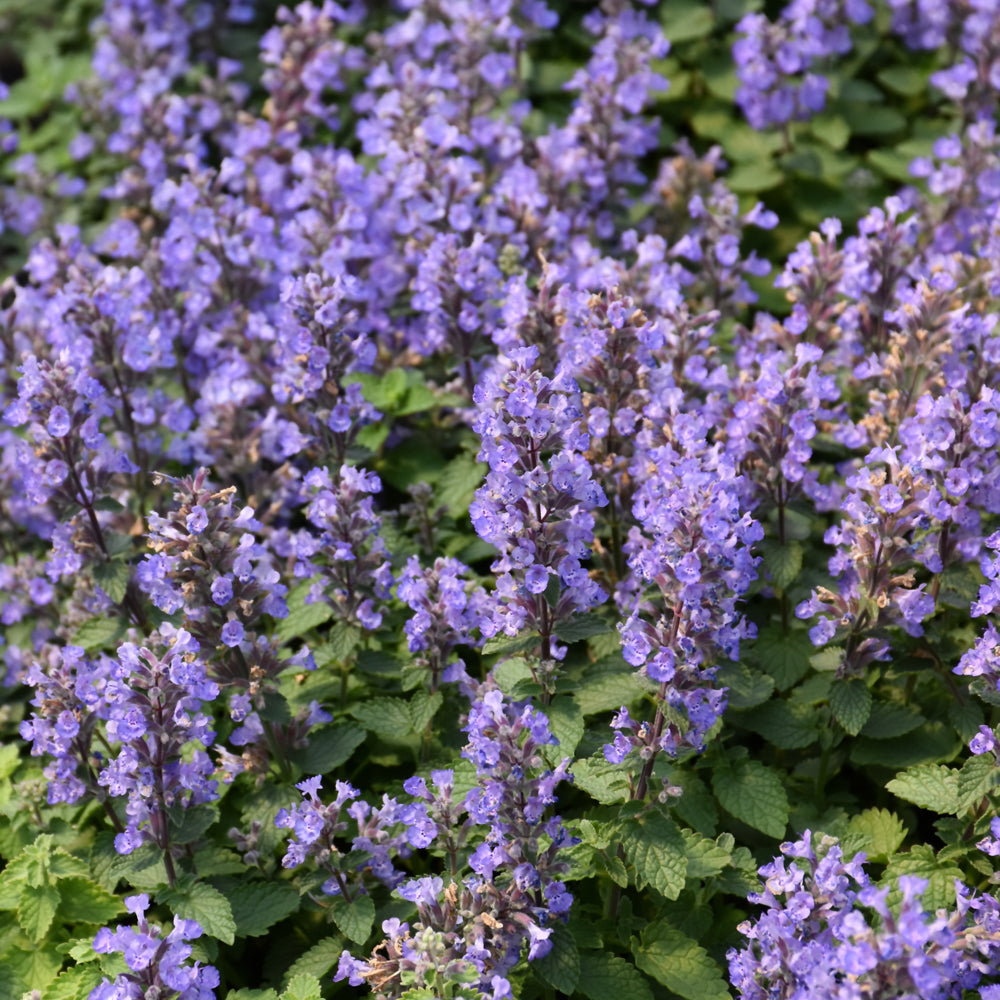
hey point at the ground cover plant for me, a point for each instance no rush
(499, 500)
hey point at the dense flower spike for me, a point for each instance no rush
(536, 506)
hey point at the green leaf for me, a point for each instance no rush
(608, 977)
(113, 578)
(560, 968)
(582, 627)
(204, 903)
(755, 177)
(978, 777)
(258, 905)
(318, 960)
(746, 687)
(511, 672)
(754, 794)
(696, 805)
(99, 633)
(457, 483)
(423, 708)
(880, 833)
(329, 747)
(384, 392)
(679, 963)
(354, 918)
(940, 892)
(387, 717)
(566, 725)
(831, 129)
(907, 81)
(784, 656)
(705, 857)
(189, 823)
(605, 782)
(37, 909)
(303, 987)
(74, 984)
(85, 902)
(341, 642)
(607, 691)
(851, 703)
(212, 860)
(888, 720)
(684, 22)
(787, 726)
(36, 966)
(932, 786)
(249, 994)
(783, 562)
(301, 616)
(873, 121)
(655, 849)
(929, 743)
(502, 644)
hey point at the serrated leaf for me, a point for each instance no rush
(511, 672)
(303, 987)
(784, 656)
(603, 781)
(608, 977)
(560, 968)
(74, 984)
(978, 777)
(99, 633)
(927, 744)
(920, 861)
(204, 903)
(341, 642)
(754, 794)
(705, 857)
(388, 717)
(212, 860)
(35, 966)
(607, 692)
(37, 909)
(881, 833)
(302, 617)
(789, 727)
(656, 850)
(851, 703)
(318, 960)
(83, 901)
(249, 994)
(782, 562)
(931, 786)
(355, 918)
(907, 81)
(679, 963)
(423, 708)
(113, 578)
(582, 627)
(615, 868)
(257, 905)
(189, 823)
(328, 748)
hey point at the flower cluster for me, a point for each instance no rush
(827, 932)
(474, 933)
(159, 964)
